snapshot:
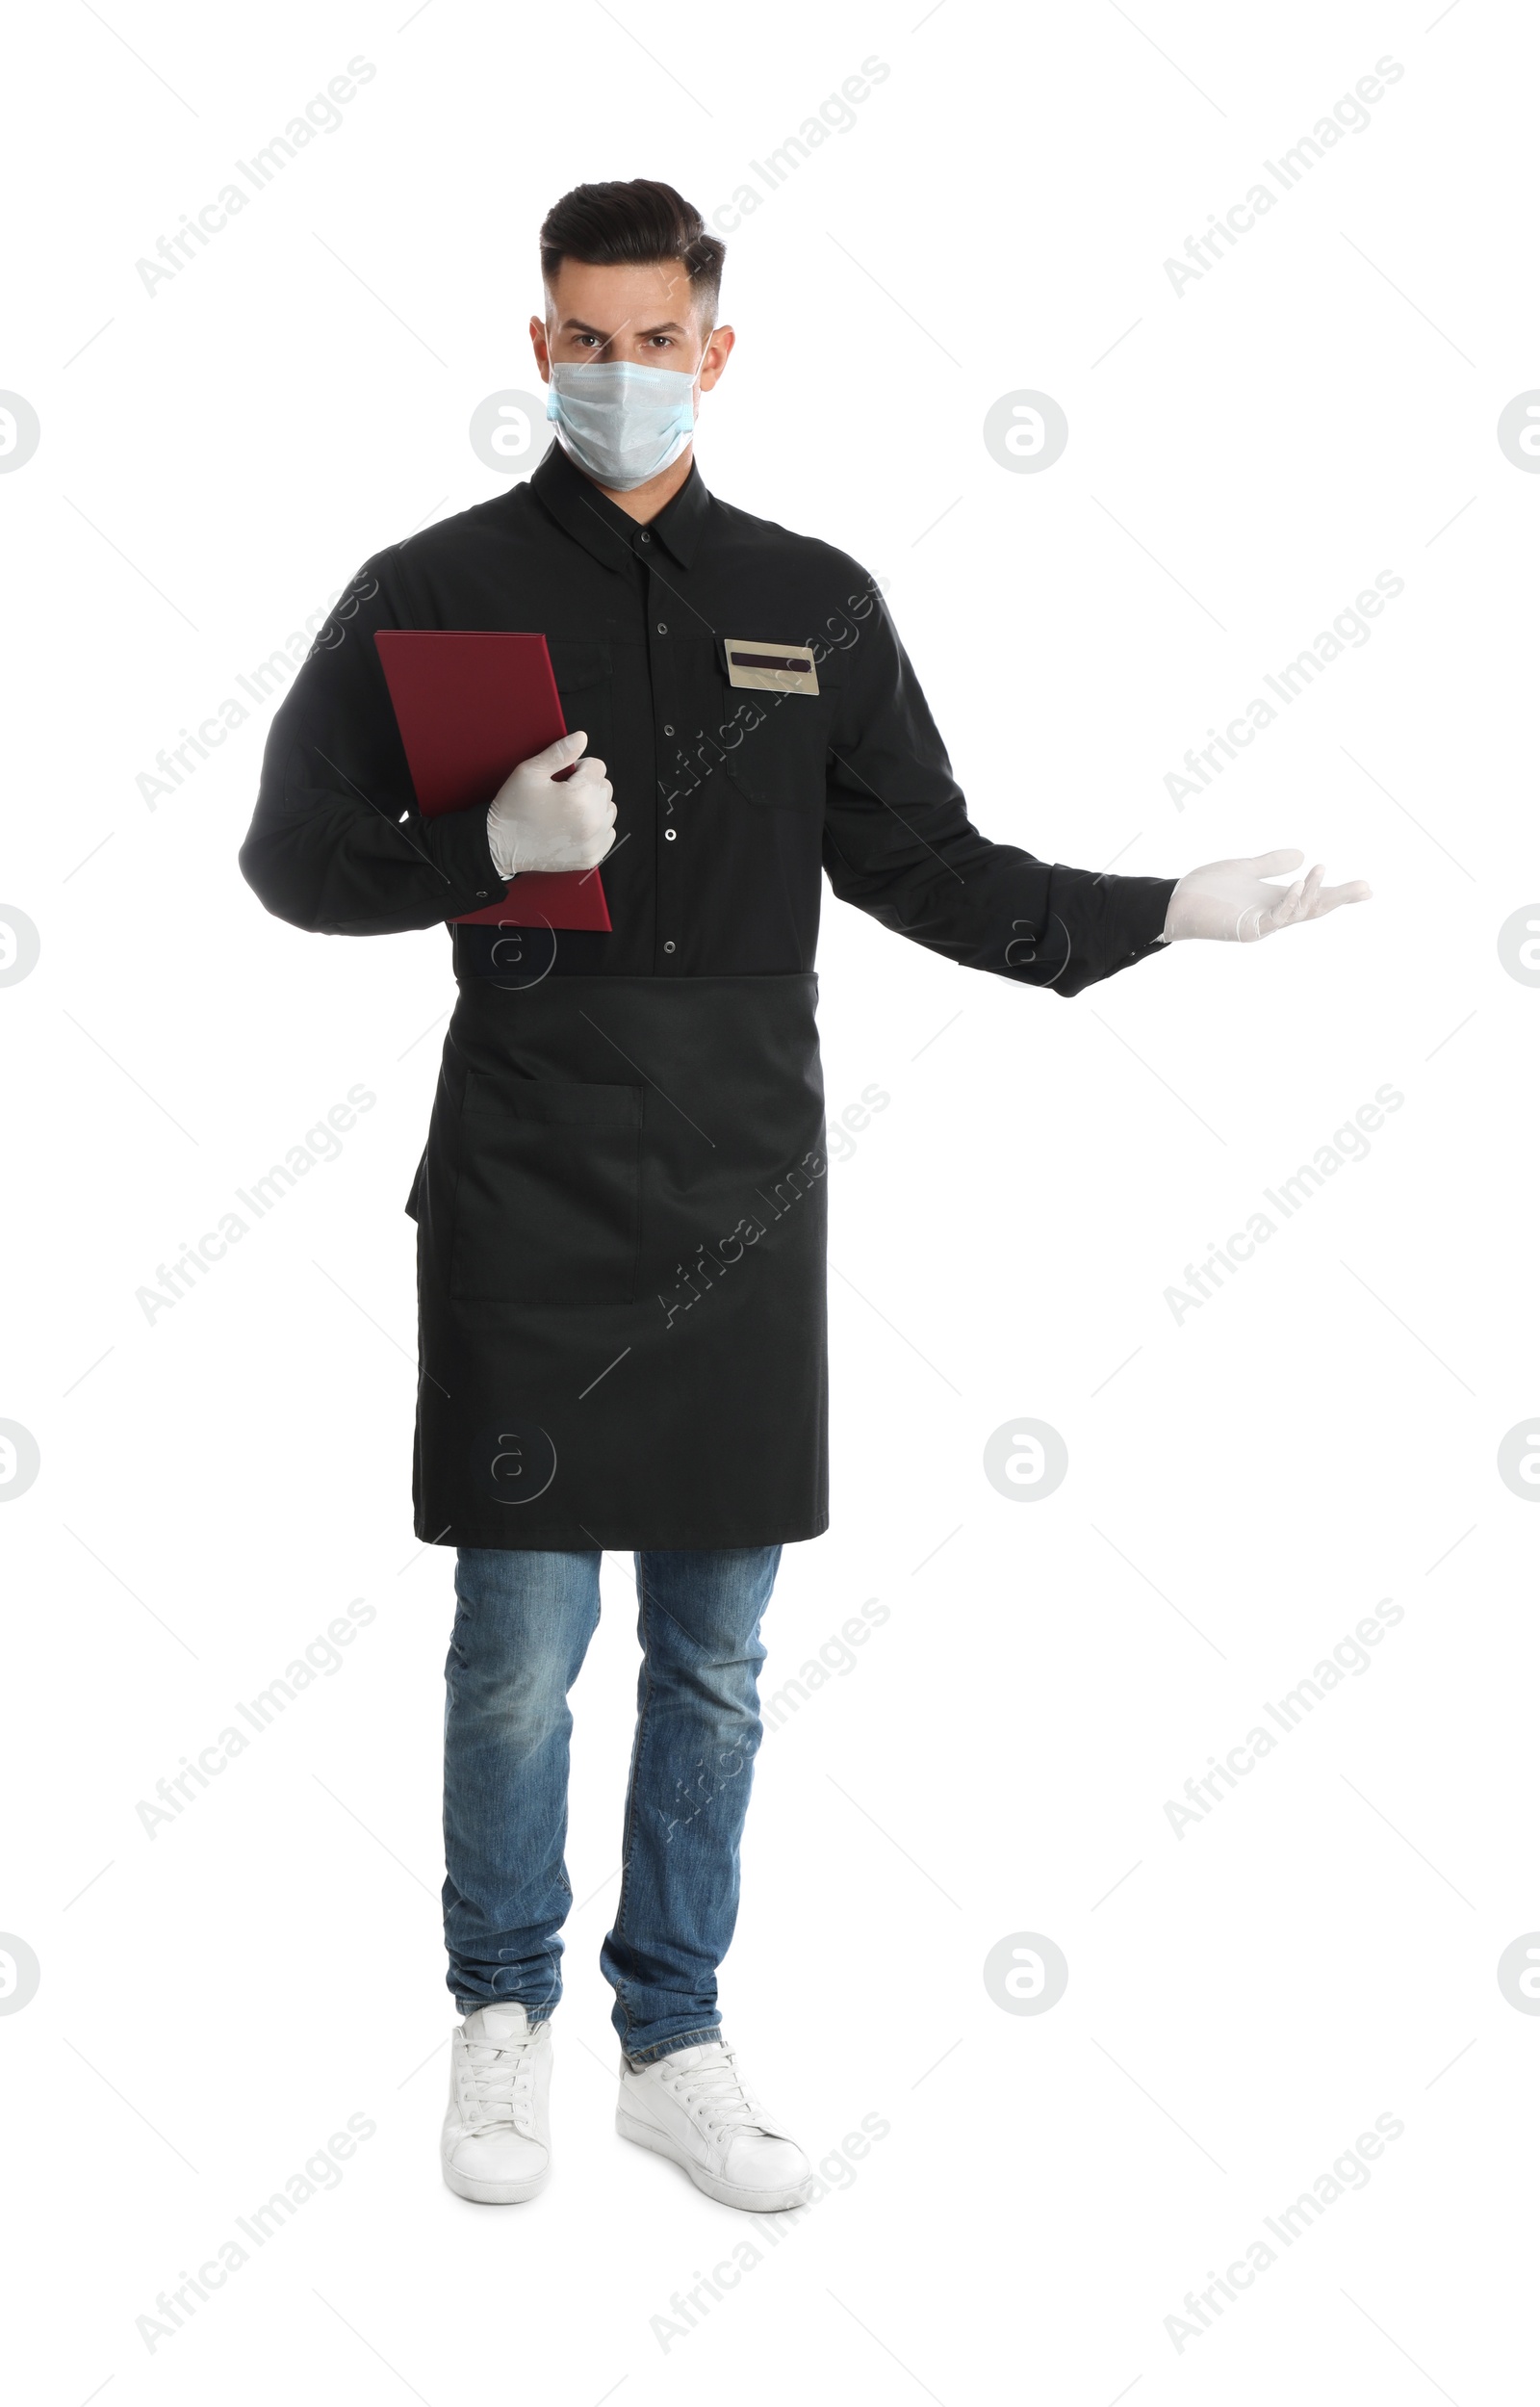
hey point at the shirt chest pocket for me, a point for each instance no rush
(777, 747)
(584, 674)
(548, 1197)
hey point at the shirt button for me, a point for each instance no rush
(644, 538)
(669, 946)
(481, 893)
(669, 835)
(661, 629)
(668, 731)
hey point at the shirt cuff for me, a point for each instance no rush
(1136, 918)
(456, 844)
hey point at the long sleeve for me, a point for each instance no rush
(337, 843)
(898, 843)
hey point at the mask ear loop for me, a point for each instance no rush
(695, 380)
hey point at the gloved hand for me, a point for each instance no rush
(536, 822)
(1229, 899)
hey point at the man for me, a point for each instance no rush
(620, 1208)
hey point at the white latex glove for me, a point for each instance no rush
(1231, 900)
(536, 822)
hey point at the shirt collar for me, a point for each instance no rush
(605, 530)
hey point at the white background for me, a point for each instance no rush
(1244, 1483)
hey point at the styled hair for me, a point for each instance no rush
(639, 225)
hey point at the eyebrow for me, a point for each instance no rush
(581, 325)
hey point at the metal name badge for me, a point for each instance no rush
(770, 667)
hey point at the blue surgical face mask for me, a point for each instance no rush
(621, 422)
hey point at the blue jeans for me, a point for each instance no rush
(522, 1629)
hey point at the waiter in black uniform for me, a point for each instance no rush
(620, 1205)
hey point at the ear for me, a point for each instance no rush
(541, 348)
(714, 357)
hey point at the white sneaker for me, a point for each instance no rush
(496, 2147)
(695, 2107)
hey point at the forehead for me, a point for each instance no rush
(609, 299)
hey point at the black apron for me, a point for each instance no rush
(621, 1239)
(621, 1209)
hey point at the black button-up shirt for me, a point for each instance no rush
(731, 803)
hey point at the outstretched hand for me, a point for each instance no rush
(1232, 901)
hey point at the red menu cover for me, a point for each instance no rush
(470, 707)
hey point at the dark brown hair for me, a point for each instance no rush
(639, 225)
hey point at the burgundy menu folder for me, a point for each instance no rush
(470, 707)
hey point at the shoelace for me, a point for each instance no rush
(719, 2089)
(501, 2082)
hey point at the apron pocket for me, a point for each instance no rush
(413, 1205)
(548, 1201)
